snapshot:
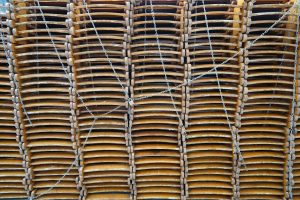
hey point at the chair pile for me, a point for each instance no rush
(45, 96)
(155, 129)
(269, 66)
(11, 168)
(209, 138)
(100, 35)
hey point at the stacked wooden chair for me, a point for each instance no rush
(99, 36)
(156, 117)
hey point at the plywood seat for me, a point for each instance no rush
(59, 195)
(208, 67)
(106, 154)
(148, 174)
(158, 133)
(259, 197)
(209, 100)
(153, 166)
(207, 191)
(210, 153)
(262, 191)
(146, 87)
(161, 99)
(96, 196)
(283, 83)
(198, 135)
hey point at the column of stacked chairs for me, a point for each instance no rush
(45, 95)
(101, 67)
(11, 170)
(269, 68)
(209, 136)
(155, 131)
